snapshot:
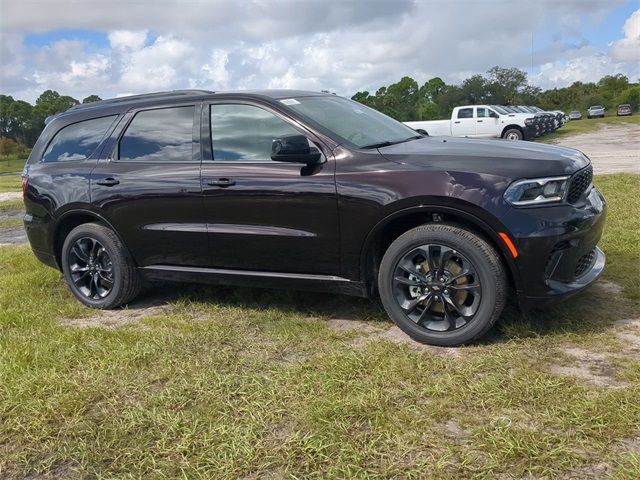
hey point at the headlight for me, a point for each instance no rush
(536, 191)
(528, 121)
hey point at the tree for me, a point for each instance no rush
(475, 89)
(505, 83)
(93, 98)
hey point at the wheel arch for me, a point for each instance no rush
(399, 222)
(70, 220)
(511, 126)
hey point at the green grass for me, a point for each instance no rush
(12, 163)
(586, 125)
(11, 205)
(248, 383)
(10, 183)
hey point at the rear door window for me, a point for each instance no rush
(159, 135)
(465, 113)
(78, 141)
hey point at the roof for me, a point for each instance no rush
(188, 95)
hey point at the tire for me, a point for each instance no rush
(512, 134)
(435, 326)
(98, 268)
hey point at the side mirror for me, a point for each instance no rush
(295, 149)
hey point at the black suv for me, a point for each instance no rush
(305, 190)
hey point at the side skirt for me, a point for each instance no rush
(250, 278)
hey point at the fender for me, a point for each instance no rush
(477, 222)
(90, 211)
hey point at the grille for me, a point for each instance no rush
(579, 184)
(584, 263)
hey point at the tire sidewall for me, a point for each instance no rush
(93, 231)
(513, 130)
(486, 309)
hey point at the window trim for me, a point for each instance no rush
(207, 138)
(105, 136)
(195, 137)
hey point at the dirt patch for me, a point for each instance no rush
(12, 236)
(111, 319)
(612, 148)
(367, 332)
(591, 367)
(6, 196)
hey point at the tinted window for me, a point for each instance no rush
(465, 113)
(482, 112)
(162, 135)
(245, 132)
(77, 141)
(350, 121)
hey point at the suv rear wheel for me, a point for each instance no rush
(442, 285)
(98, 268)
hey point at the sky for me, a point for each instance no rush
(113, 48)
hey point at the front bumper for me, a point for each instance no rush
(558, 249)
(530, 132)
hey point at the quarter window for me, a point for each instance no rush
(465, 113)
(77, 141)
(245, 132)
(161, 135)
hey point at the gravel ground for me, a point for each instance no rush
(612, 149)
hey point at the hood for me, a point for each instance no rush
(511, 159)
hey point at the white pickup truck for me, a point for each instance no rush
(480, 121)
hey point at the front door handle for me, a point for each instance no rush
(457, 121)
(108, 182)
(221, 182)
(479, 121)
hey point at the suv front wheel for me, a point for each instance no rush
(98, 268)
(442, 284)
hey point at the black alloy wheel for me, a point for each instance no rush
(437, 287)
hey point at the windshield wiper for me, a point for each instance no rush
(388, 143)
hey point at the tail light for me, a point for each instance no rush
(25, 185)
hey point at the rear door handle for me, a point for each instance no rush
(221, 182)
(108, 182)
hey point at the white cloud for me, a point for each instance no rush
(628, 48)
(312, 44)
(127, 39)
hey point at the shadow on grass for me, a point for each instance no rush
(591, 311)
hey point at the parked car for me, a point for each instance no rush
(575, 115)
(480, 121)
(304, 190)
(595, 111)
(624, 109)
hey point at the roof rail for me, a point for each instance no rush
(130, 98)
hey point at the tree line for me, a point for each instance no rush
(21, 122)
(407, 100)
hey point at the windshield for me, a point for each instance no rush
(499, 109)
(351, 121)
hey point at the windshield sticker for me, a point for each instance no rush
(290, 101)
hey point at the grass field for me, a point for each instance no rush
(10, 183)
(12, 163)
(586, 125)
(248, 383)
